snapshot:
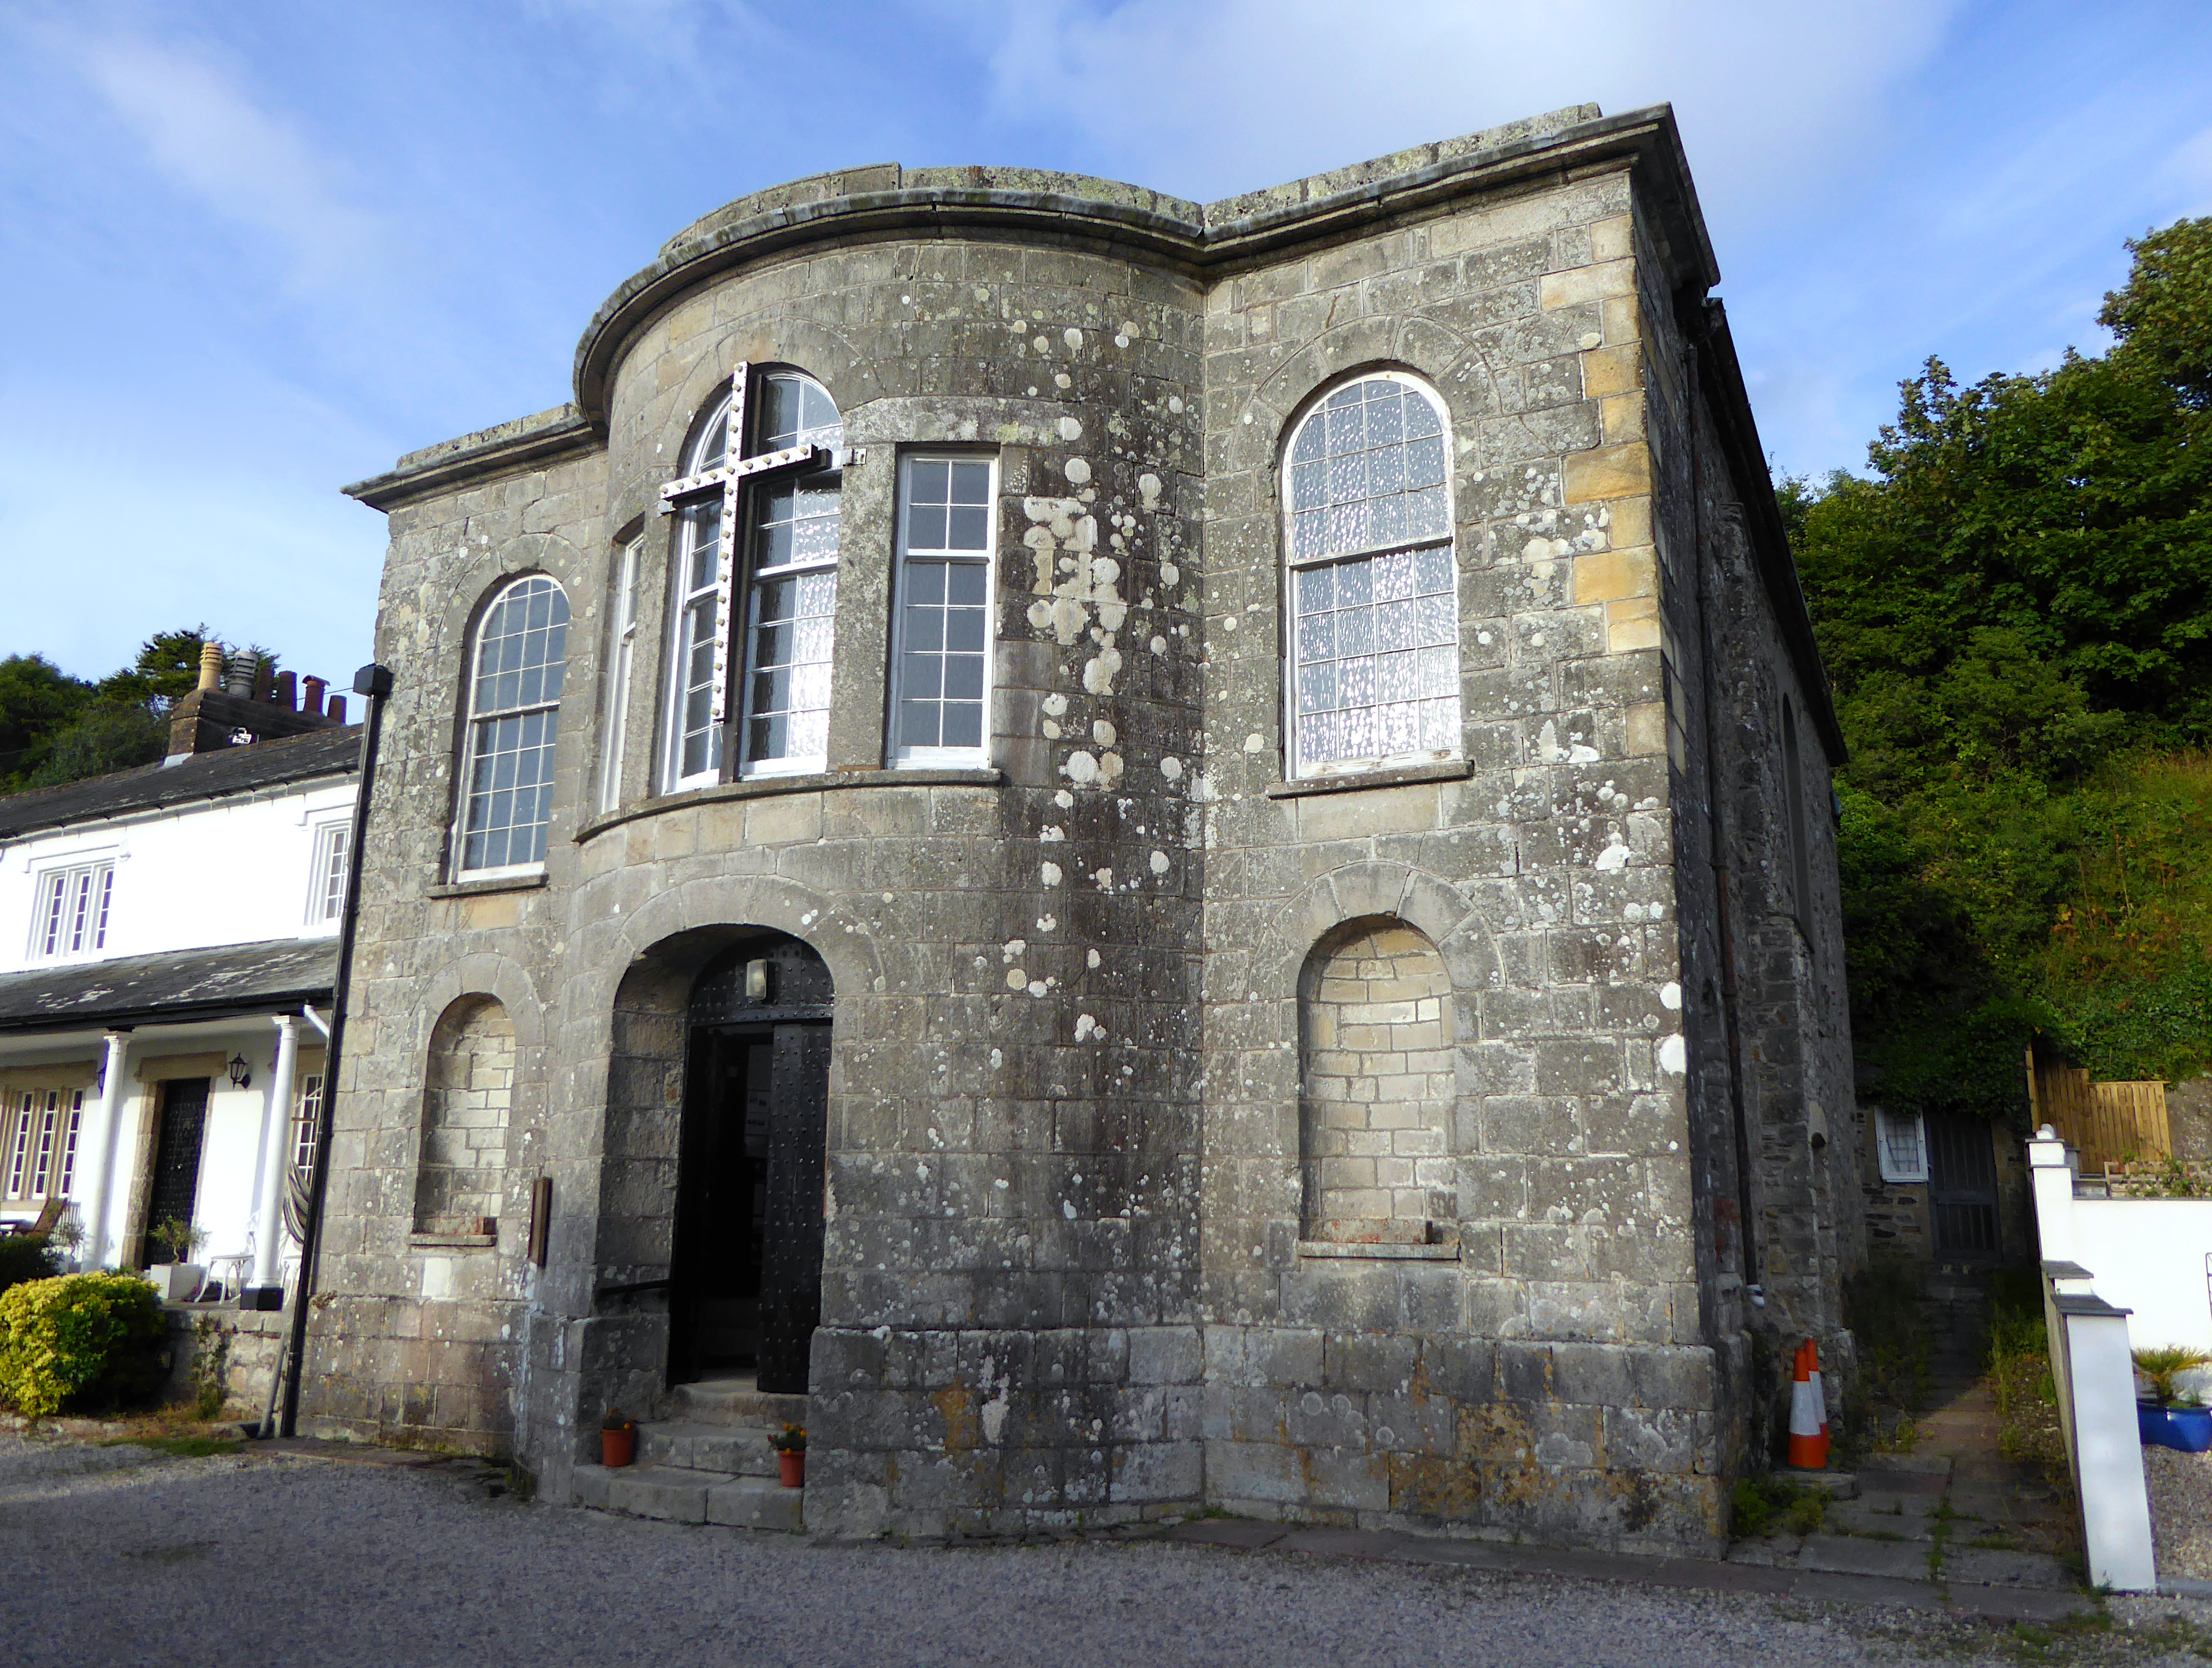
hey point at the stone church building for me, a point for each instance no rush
(1133, 854)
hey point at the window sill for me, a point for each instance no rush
(477, 888)
(767, 786)
(452, 1241)
(1397, 776)
(1380, 1252)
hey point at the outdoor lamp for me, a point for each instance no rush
(239, 1076)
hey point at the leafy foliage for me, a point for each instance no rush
(55, 728)
(2016, 608)
(81, 1338)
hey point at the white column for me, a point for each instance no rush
(275, 1156)
(105, 1122)
(2053, 1181)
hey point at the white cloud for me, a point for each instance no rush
(1223, 95)
(247, 164)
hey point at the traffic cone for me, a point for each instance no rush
(1808, 1436)
(1820, 1395)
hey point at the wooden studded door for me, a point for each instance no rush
(791, 1271)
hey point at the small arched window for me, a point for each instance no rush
(514, 702)
(788, 562)
(1373, 664)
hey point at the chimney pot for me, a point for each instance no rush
(311, 693)
(210, 665)
(337, 709)
(283, 695)
(237, 673)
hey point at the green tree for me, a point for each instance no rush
(2016, 608)
(37, 698)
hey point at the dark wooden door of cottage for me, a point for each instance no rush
(176, 1182)
(746, 1280)
(1962, 1190)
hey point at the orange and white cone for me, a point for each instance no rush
(1808, 1415)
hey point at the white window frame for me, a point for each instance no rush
(479, 721)
(735, 520)
(326, 889)
(306, 1121)
(56, 935)
(620, 667)
(902, 756)
(1894, 1168)
(1295, 767)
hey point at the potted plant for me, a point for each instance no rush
(69, 1233)
(2173, 1417)
(179, 1279)
(617, 1440)
(790, 1445)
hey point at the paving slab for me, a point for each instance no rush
(1860, 1517)
(1986, 1567)
(752, 1503)
(1849, 1555)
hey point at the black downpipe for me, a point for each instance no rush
(1732, 1027)
(374, 682)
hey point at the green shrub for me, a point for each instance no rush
(1772, 1505)
(24, 1256)
(82, 1338)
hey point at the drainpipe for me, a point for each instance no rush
(373, 682)
(103, 1149)
(267, 1289)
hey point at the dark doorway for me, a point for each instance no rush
(176, 1188)
(1962, 1190)
(745, 1281)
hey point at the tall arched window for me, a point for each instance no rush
(1373, 665)
(787, 427)
(515, 701)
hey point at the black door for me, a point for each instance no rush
(745, 1279)
(176, 1187)
(1962, 1190)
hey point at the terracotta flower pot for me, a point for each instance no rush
(793, 1467)
(619, 1448)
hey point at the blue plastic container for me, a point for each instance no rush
(2188, 1429)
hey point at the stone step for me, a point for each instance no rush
(675, 1493)
(732, 1402)
(698, 1445)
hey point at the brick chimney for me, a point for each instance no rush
(237, 698)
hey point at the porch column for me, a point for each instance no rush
(266, 1290)
(105, 1122)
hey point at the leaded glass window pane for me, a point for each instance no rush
(1374, 669)
(522, 649)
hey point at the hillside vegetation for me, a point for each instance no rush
(2015, 606)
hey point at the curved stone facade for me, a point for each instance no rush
(1065, 1273)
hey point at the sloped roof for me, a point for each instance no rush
(334, 752)
(176, 984)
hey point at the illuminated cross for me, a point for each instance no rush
(728, 478)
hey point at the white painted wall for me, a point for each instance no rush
(235, 872)
(2149, 1255)
(194, 877)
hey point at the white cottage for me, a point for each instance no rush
(167, 939)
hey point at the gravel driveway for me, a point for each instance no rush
(114, 1555)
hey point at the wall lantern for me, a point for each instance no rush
(756, 984)
(239, 1076)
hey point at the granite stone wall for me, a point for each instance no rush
(1125, 1175)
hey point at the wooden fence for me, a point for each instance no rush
(2107, 1123)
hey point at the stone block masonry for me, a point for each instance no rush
(1302, 1060)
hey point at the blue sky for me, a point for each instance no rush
(251, 251)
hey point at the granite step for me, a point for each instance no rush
(696, 1444)
(732, 1402)
(674, 1494)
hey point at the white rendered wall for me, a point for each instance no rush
(230, 873)
(2148, 1256)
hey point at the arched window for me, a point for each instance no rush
(1373, 663)
(515, 701)
(789, 567)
